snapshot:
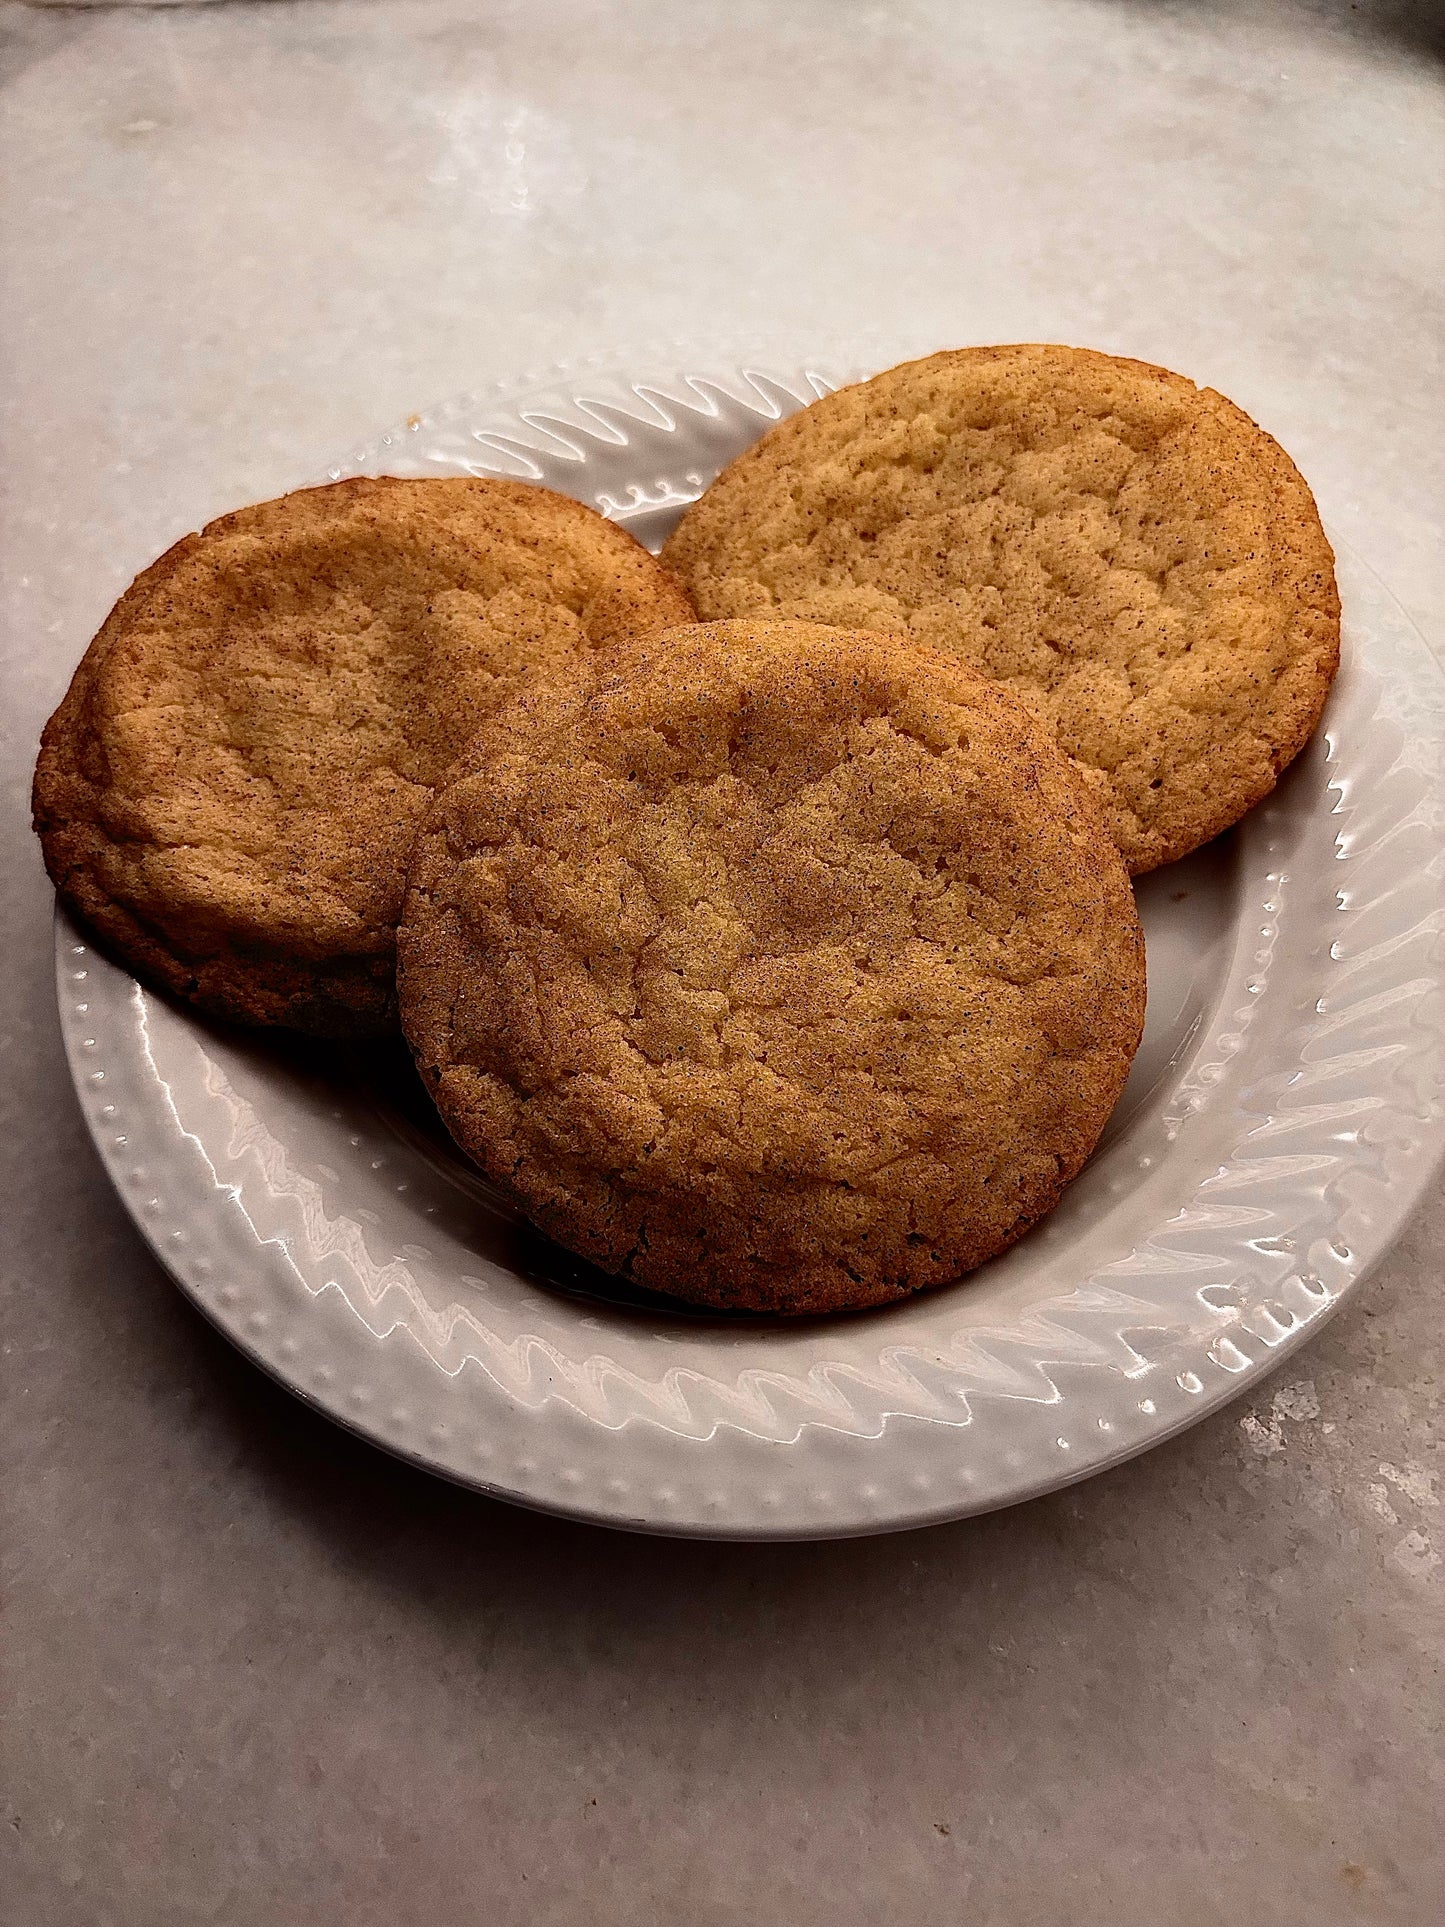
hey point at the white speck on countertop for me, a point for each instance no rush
(1264, 1440)
(1379, 1502)
(1415, 1482)
(1297, 1401)
(1416, 1556)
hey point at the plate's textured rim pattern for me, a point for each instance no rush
(1336, 1122)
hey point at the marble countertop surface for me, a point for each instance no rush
(256, 1672)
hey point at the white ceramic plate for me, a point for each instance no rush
(1282, 1117)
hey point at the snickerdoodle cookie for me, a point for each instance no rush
(774, 966)
(228, 793)
(1128, 553)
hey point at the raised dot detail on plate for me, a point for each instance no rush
(1272, 1322)
(177, 1237)
(397, 1416)
(323, 1374)
(1190, 1382)
(107, 1110)
(258, 1321)
(526, 1467)
(1104, 1425)
(920, 1482)
(289, 1348)
(571, 1476)
(1147, 1406)
(772, 1499)
(617, 1487)
(229, 1294)
(1062, 1443)
(360, 1395)
(1225, 1352)
(437, 1434)
(97, 1077)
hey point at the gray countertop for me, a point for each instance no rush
(257, 1672)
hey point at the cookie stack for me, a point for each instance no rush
(784, 960)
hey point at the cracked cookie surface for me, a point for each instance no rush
(1128, 553)
(773, 966)
(228, 793)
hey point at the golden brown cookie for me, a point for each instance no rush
(1125, 551)
(781, 967)
(228, 793)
